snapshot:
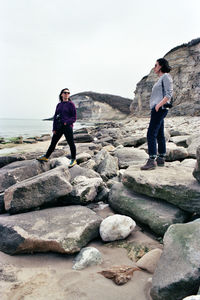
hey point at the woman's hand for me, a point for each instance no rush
(157, 107)
(54, 131)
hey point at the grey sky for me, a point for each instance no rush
(104, 46)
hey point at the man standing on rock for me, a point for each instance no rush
(64, 118)
(159, 103)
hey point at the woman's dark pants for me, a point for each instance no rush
(155, 133)
(68, 133)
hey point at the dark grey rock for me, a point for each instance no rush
(158, 215)
(61, 229)
(5, 160)
(2, 206)
(178, 271)
(196, 171)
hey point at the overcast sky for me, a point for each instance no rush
(104, 46)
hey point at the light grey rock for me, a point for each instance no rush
(44, 137)
(189, 162)
(157, 214)
(85, 189)
(87, 257)
(173, 183)
(194, 297)
(99, 157)
(150, 260)
(108, 167)
(37, 191)
(116, 227)
(19, 171)
(174, 152)
(82, 171)
(178, 270)
(196, 171)
(133, 141)
(60, 229)
(89, 164)
(130, 156)
(180, 140)
(193, 142)
(82, 157)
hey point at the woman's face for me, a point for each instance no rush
(65, 95)
(157, 68)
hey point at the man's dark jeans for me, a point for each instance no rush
(68, 133)
(155, 133)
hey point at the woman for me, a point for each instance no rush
(161, 94)
(64, 118)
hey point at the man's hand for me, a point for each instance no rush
(157, 107)
(54, 132)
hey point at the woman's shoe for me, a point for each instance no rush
(150, 165)
(73, 162)
(42, 158)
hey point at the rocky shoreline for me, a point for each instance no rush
(46, 207)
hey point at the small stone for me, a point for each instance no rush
(149, 260)
(116, 227)
(87, 256)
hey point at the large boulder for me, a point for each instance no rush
(132, 141)
(178, 271)
(82, 171)
(158, 215)
(175, 152)
(60, 229)
(130, 156)
(173, 183)
(196, 171)
(42, 189)
(19, 171)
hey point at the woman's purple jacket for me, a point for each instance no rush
(67, 113)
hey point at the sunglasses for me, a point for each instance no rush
(66, 92)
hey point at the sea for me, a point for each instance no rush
(10, 128)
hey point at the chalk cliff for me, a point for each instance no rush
(185, 63)
(97, 106)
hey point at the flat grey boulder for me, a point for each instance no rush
(82, 171)
(60, 229)
(19, 171)
(133, 141)
(175, 152)
(196, 171)
(180, 140)
(173, 183)
(178, 270)
(130, 156)
(156, 214)
(37, 191)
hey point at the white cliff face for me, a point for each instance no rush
(96, 106)
(185, 63)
